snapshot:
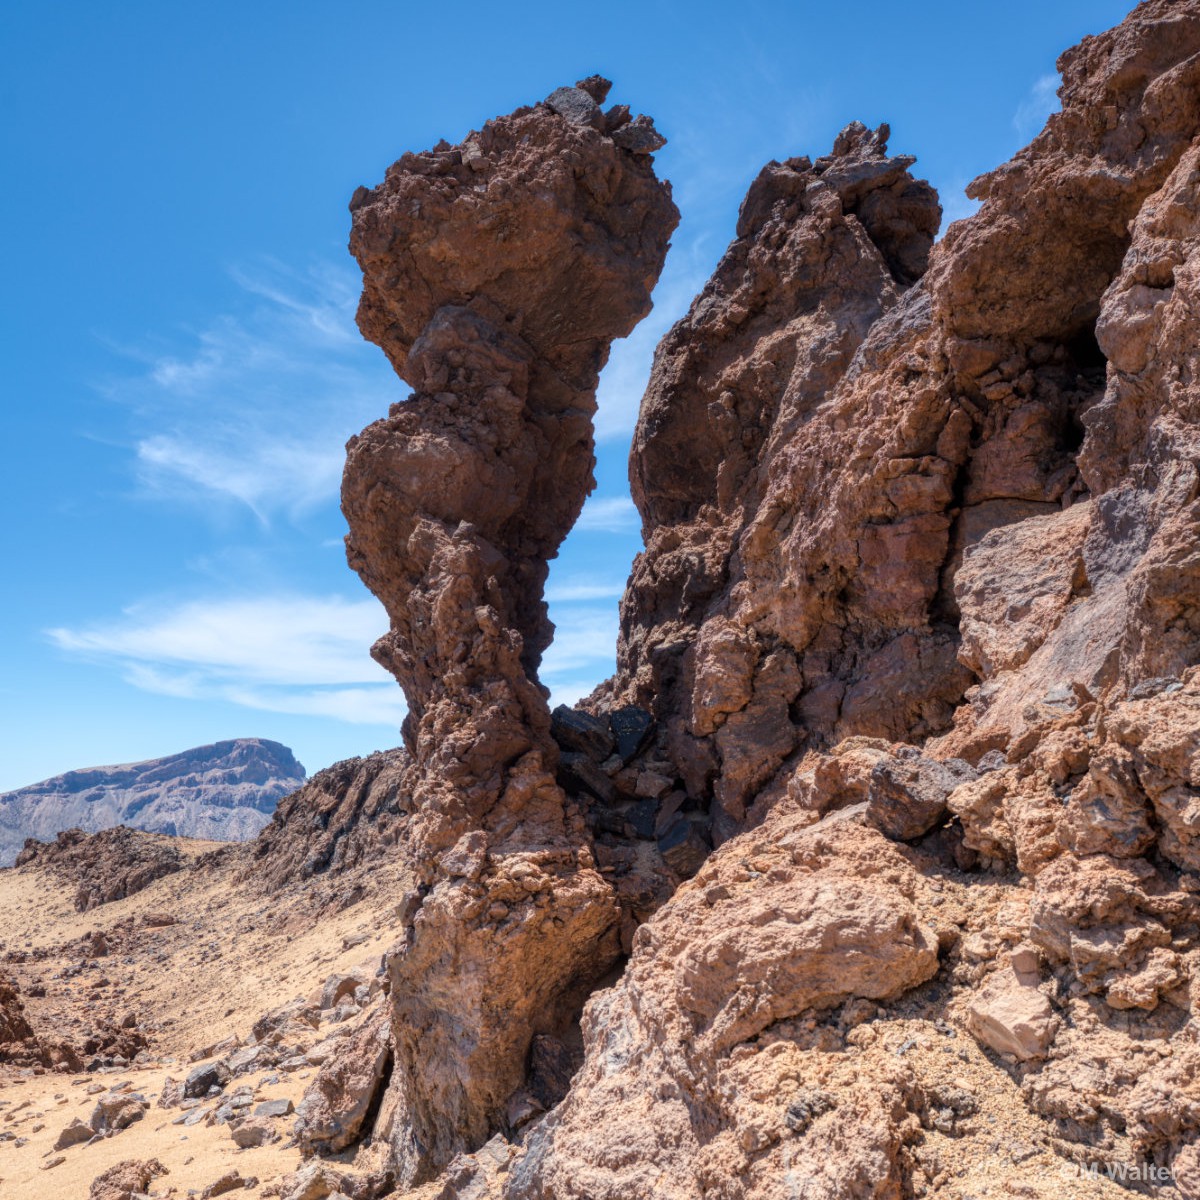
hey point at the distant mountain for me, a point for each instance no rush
(226, 791)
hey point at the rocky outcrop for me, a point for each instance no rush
(832, 428)
(104, 866)
(226, 792)
(343, 817)
(790, 920)
(729, 624)
(902, 743)
(496, 274)
(348, 1087)
(16, 1035)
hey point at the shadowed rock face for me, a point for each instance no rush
(496, 274)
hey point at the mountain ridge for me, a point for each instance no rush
(225, 791)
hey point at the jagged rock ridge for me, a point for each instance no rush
(226, 791)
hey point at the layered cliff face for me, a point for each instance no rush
(496, 274)
(226, 791)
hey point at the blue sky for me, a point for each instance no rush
(180, 362)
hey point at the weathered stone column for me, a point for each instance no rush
(496, 274)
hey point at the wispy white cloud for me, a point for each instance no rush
(1039, 103)
(609, 514)
(583, 652)
(577, 588)
(283, 653)
(256, 406)
(306, 655)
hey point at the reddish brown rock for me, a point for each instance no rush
(105, 866)
(737, 405)
(128, 1180)
(673, 1098)
(1011, 1016)
(903, 504)
(495, 276)
(14, 1027)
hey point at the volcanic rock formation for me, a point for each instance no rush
(823, 438)
(105, 866)
(496, 275)
(343, 816)
(959, 509)
(911, 658)
(226, 791)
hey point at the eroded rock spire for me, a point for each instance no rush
(496, 274)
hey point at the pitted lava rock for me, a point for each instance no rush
(496, 274)
(895, 794)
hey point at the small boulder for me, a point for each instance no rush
(334, 1108)
(128, 1180)
(272, 1027)
(204, 1078)
(1012, 1017)
(596, 86)
(231, 1181)
(582, 733)
(639, 136)
(275, 1108)
(250, 1058)
(254, 1131)
(683, 848)
(576, 106)
(171, 1093)
(579, 773)
(631, 728)
(117, 1112)
(337, 987)
(74, 1134)
(906, 796)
